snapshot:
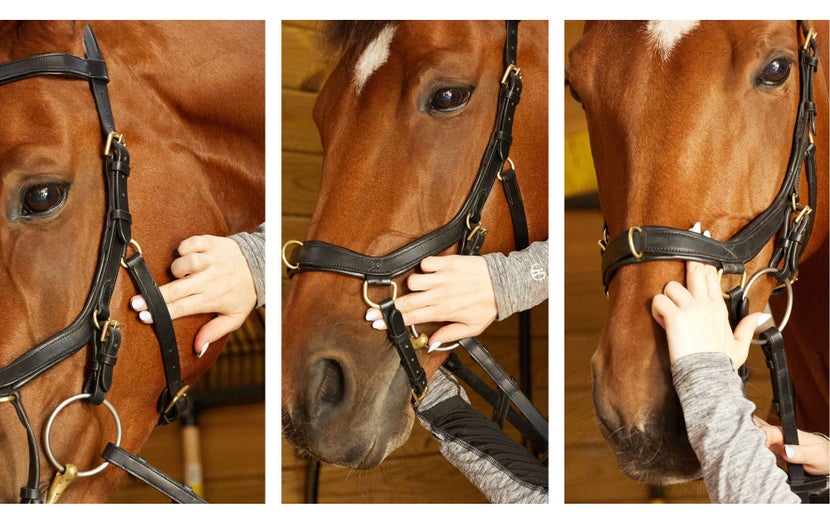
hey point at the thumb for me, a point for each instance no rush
(215, 329)
(746, 328)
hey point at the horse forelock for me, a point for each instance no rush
(362, 42)
(664, 34)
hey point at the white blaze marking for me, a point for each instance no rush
(375, 55)
(664, 34)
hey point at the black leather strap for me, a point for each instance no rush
(783, 399)
(139, 468)
(493, 397)
(30, 493)
(506, 383)
(172, 403)
(399, 335)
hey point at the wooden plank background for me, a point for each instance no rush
(402, 477)
(591, 472)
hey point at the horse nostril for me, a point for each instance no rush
(332, 384)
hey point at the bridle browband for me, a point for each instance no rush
(463, 229)
(93, 325)
(785, 218)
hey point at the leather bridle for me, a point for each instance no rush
(786, 218)
(94, 326)
(464, 229)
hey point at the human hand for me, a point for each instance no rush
(812, 451)
(696, 320)
(212, 277)
(452, 289)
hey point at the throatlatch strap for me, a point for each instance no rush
(172, 402)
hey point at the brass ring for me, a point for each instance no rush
(372, 303)
(133, 243)
(637, 255)
(285, 259)
(512, 167)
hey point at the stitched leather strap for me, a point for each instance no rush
(506, 384)
(399, 335)
(172, 403)
(139, 468)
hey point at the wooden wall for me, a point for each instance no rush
(416, 472)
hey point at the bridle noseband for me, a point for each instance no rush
(464, 229)
(786, 217)
(94, 325)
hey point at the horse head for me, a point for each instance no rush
(404, 120)
(688, 122)
(194, 126)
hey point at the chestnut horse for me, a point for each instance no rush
(694, 122)
(404, 119)
(188, 98)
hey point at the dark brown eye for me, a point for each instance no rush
(40, 200)
(776, 72)
(450, 99)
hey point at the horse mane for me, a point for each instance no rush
(349, 37)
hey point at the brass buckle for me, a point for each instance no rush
(117, 136)
(179, 394)
(512, 68)
(103, 328)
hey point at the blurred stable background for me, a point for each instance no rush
(416, 472)
(224, 438)
(591, 472)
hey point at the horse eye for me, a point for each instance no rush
(775, 72)
(42, 199)
(450, 99)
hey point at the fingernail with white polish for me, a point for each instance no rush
(790, 451)
(763, 318)
(145, 317)
(696, 227)
(137, 303)
(706, 233)
(434, 346)
(379, 325)
(204, 349)
(372, 315)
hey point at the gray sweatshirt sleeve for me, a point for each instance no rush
(737, 466)
(520, 279)
(253, 248)
(502, 469)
